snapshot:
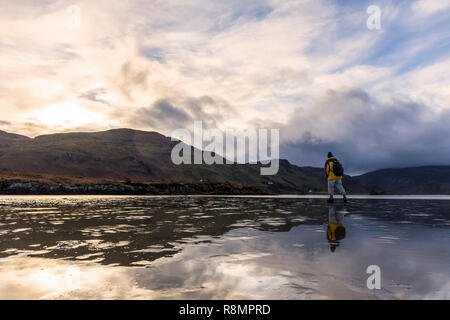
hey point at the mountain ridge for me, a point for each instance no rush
(137, 155)
(145, 156)
(434, 179)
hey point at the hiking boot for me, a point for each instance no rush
(345, 199)
(330, 200)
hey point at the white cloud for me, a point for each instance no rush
(428, 7)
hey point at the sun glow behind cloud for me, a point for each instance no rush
(67, 114)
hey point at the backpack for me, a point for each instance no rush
(338, 169)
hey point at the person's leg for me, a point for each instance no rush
(331, 189)
(340, 187)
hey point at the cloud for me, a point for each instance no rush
(366, 133)
(162, 115)
(131, 76)
(94, 95)
(166, 115)
(428, 7)
(160, 65)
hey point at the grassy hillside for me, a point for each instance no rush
(144, 156)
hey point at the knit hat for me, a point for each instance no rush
(330, 155)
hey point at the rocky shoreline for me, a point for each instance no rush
(39, 188)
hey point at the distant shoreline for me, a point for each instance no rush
(38, 188)
(19, 183)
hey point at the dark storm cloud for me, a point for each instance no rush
(367, 134)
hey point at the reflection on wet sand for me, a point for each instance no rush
(220, 248)
(336, 228)
(130, 230)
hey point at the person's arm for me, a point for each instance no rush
(327, 168)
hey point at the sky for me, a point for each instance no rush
(375, 97)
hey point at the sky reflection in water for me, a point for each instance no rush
(221, 248)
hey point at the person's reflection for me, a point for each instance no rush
(336, 228)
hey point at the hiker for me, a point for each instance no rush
(334, 172)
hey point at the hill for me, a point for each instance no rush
(414, 180)
(145, 156)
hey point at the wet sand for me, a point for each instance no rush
(131, 247)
